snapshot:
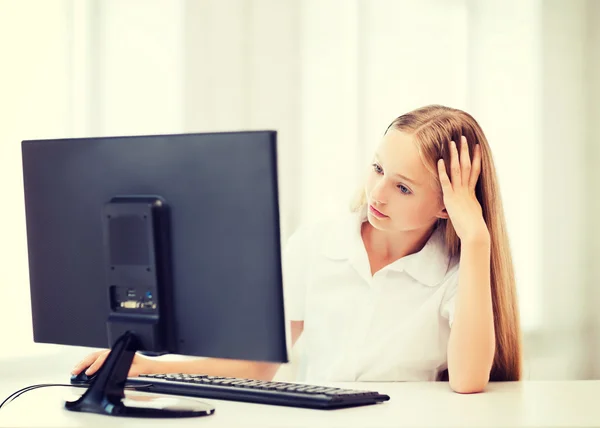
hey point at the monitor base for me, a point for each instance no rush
(106, 393)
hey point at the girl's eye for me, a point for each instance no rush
(377, 169)
(405, 190)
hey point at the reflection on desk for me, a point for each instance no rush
(419, 404)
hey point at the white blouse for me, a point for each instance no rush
(391, 326)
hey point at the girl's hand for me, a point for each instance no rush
(461, 203)
(92, 363)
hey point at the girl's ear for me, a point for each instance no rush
(443, 214)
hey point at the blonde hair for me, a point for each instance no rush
(432, 128)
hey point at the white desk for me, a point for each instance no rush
(526, 404)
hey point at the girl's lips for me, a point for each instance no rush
(376, 212)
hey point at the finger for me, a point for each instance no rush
(476, 167)
(97, 364)
(444, 180)
(454, 165)
(86, 362)
(465, 160)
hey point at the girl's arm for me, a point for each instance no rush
(472, 342)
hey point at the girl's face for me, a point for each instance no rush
(401, 193)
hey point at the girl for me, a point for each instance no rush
(416, 283)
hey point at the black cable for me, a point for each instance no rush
(42, 386)
(16, 394)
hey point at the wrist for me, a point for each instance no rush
(152, 365)
(478, 238)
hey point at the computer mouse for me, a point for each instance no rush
(82, 378)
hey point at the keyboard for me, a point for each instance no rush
(255, 391)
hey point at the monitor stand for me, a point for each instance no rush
(106, 392)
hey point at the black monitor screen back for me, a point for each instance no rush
(222, 193)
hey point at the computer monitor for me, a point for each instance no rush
(161, 243)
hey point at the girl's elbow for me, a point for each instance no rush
(470, 377)
(468, 385)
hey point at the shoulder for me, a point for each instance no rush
(450, 282)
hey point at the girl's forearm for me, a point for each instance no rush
(472, 344)
(218, 367)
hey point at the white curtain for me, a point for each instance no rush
(329, 76)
